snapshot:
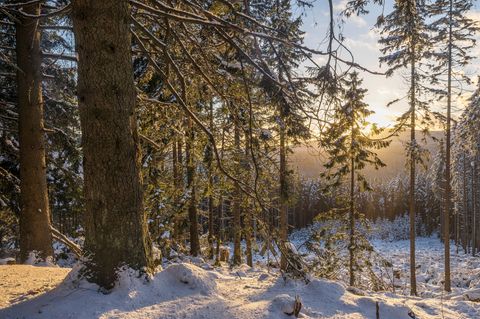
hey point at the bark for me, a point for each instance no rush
(116, 231)
(446, 230)
(35, 234)
(283, 194)
(192, 205)
(211, 207)
(351, 215)
(413, 278)
(248, 211)
(474, 209)
(237, 227)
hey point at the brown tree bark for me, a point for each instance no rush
(283, 220)
(35, 234)
(413, 277)
(237, 227)
(211, 207)
(192, 205)
(115, 223)
(351, 213)
(446, 230)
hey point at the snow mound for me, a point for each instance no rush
(282, 304)
(328, 290)
(193, 276)
(7, 261)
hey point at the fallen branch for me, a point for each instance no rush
(70, 244)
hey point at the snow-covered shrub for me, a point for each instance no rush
(398, 229)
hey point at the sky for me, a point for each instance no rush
(361, 38)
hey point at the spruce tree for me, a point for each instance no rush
(350, 151)
(35, 233)
(116, 231)
(454, 37)
(404, 42)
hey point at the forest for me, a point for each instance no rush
(239, 159)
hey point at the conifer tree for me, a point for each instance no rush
(282, 61)
(454, 37)
(35, 234)
(404, 42)
(116, 231)
(350, 151)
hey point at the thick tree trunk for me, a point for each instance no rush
(115, 223)
(237, 227)
(35, 234)
(192, 205)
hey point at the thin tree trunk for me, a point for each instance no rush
(351, 215)
(191, 187)
(413, 142)
(465, 206)
(210, 194)
(283, 193)
(446, 231)
(237, 227)
(35, 234)
(474, 209)
(116, 231)
(248, 211)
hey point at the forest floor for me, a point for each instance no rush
(196, 290)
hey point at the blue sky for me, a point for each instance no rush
(361, 39)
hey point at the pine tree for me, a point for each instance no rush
(454, 37)
(404, 41)
(349, 151)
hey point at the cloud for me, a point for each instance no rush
(340, 6)
(358, 21)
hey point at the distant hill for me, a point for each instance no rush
(308, 161)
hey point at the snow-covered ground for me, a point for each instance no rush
(194, 289)
(465, 269)
(189, 291)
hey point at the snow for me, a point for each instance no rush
(6, 261)
(185, 290)
(191, 287)
(430, 266)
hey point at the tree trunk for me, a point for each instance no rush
(211, 207)
(283, 194)
(116, 231)
(248, 210)
(351, 215)
(413, 145)
(192, 205)
(35, 234)
(446, 230)
(237, 227)
(474, 209)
